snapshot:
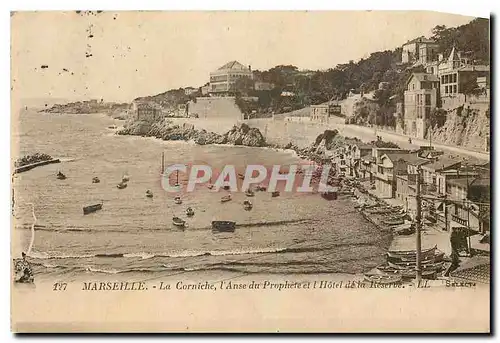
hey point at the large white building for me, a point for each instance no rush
(223, 80)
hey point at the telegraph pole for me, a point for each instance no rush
(418, 220)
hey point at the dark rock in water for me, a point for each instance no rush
(238, 135)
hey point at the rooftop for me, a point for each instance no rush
(234, 65)
(423, 77)
(442, 162)
(461, 182)
(476, 269)
(409, 158)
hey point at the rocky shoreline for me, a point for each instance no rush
(239, 135)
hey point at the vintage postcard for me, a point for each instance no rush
(251, 171)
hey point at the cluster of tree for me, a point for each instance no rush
(472, 38)
(170, 98)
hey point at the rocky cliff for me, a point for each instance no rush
(463, 127)
(238, 135)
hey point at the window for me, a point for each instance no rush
(455, 89)
(427, 99)
(427, 112)
(455, 78)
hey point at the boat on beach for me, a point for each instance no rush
(392, 222)
(178, 200)
(226, 198)
(178, 222)
(275, 194)
(125, 178)
(383, 279)
(226, 187)
(92, 208)
(149, 194)
(411, 253)
(121, 185)
(223, 226)
(95, 179)
(329, 195)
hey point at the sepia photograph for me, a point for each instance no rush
(257, 171)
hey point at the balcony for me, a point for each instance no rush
(459, 220)
(384, 177)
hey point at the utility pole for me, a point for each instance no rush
(468, 208)
(418, 220)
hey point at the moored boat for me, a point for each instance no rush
(189, 212)
(95, 179)
(226, 198)
(223, 226)
(149, 194)
(249, 193)
(61, 176)
(121, 185)
(178, 200)
(247, 205)
(92, 208)
(226, 187)
(178, 222)
(261, 188)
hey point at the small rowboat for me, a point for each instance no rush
(392, 222)
(411, 253)
(178, 222)
(178, 200)
(95, 179)
(426, 265)
(223, 226)
(121, 185)
(125, 178)
(249, 193)
(226, 198)
(92, 208)
(275, 194)
(383, 279)
(210, 186)
(189, 212)
(247, 205)
(261, 188)
(409, 273)
(149, 194)
(61, 176)
(226, 187)
(329, 195)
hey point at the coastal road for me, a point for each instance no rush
(304, 133)
(366, 133)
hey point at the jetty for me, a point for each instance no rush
(30, 166)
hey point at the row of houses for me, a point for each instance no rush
(447, 83)
(456, 191)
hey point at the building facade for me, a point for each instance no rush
(223, 80)
(419, 50)
(420, 99)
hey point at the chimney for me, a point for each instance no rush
(440, 57)
(249, 67)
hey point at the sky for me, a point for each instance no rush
(119, 56)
